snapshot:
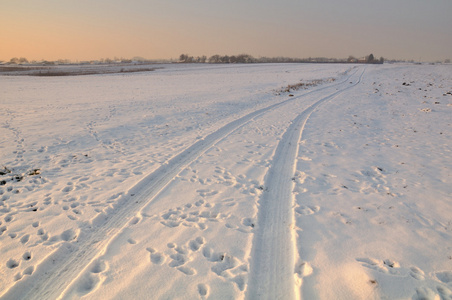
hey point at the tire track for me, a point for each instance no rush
(56, 273)
(273, 252)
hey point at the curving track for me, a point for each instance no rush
(273, 255)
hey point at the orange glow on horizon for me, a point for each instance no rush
(89, 30)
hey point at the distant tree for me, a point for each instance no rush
(351, 59)
(447, 61)
(382, 60)
(185, 58)
(214, 59)
(370, 58)
(63, 61)
(245, 58)
(17, 61)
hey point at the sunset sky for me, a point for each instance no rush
(154, 29)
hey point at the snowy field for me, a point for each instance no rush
(212, 182)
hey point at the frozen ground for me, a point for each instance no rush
(208, 182)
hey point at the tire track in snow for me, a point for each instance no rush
(273, 254)
(56, 273)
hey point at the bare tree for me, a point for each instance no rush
(214, 59)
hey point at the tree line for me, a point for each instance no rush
(246, 59)
(215, 59)
(369, 59)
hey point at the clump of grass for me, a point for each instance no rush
(303, 85)
(5, 171)
(34, 172)
(16, 177)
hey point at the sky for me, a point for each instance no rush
(162, 29)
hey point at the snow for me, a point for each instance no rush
(161, 184)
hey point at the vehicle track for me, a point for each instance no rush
(55, 274)
(273, 255)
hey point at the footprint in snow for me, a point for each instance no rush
(386, 266)
(207, 193)
(180, 257)
(307, 210)
(203, 290)
(26, 256)
(135, 220)
(227, 266)
(28, 271)
(25, 239)
(425, 293)
(11, 264)
(191, 215)
(445, 276)
(92, 278)
(444, 292)
(417, 273)
(156, 257)
(3, 229)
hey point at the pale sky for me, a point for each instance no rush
(154, 29)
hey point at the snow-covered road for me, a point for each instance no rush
(208, 182)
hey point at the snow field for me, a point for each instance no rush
(375, 189)
(369, 187)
